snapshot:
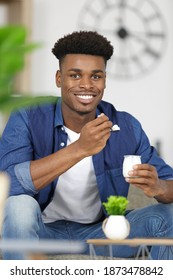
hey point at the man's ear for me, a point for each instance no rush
(105, 81)
(58, 78)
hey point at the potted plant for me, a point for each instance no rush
(116, 225)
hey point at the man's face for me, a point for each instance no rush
(82, 82)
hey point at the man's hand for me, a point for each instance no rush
(94, 135)
(145, 177)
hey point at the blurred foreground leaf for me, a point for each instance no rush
(13, 49)
(11, 103)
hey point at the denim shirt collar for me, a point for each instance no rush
(58, 114)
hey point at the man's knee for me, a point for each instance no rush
(20, 210)
(21, 220)
(21, 204)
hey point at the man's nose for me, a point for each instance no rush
(86, 82)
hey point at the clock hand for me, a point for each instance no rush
(152, 52)
(122, 8)
(148, 34)
(147, 48)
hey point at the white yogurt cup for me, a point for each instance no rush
(129, 161)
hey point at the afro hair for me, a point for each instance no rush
(83, 42)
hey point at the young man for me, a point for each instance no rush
(64, 160)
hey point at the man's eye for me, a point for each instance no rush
(75, 76)
(96, 77)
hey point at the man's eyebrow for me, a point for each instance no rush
(75, 69)
(98, 70)
(80, 70)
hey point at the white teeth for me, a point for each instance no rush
(85, 96)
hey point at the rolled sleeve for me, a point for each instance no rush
(16, 152)
(22, 172)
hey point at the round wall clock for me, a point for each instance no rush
(136, 28)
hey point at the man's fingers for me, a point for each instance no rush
(144, 166)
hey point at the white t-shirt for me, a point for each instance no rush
(76, 195)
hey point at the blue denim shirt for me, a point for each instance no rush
(34, 133)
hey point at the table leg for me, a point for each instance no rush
(143, 252)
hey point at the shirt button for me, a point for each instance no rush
(62, 128)
(62, 144)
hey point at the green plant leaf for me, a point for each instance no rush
(13, 48)
(12, 103)
(116, 205)
(12, 35)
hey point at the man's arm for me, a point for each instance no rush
(93, 138)
(167, 195)
(146, 178)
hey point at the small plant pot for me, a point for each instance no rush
(116, 227)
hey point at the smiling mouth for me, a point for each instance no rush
(85, 97)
